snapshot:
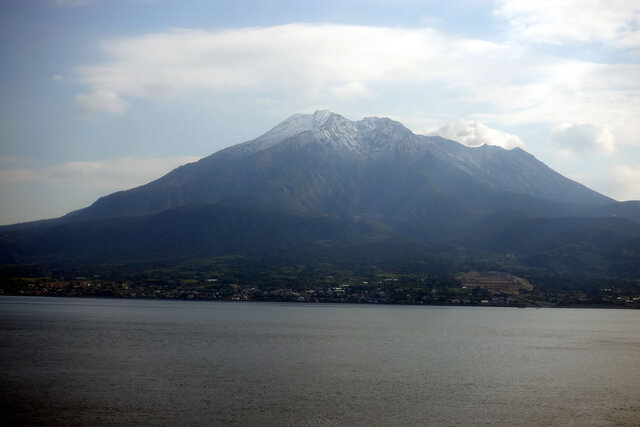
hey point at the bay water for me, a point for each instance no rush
(77, 361)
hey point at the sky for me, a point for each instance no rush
(98, 96)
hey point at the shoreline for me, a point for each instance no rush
(327, 302)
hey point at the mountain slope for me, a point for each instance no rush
(180, 233)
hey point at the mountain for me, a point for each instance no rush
(325, 164)
(325, 182)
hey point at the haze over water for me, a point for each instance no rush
(113, 361)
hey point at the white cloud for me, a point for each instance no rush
(474, 134)
(103, 175)
(299, 65)
(582, 137)
(303, 59)
(102, 101)
(564, 21)
(57, 77)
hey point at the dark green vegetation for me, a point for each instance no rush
(321, 202)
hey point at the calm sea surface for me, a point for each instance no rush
(67, 361)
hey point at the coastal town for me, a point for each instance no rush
(471, 289)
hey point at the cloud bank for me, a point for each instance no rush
(103, 175)
(310, 64)
(582, 137)
(572, 21)
(38, 192)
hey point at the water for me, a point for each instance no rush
(67, 361)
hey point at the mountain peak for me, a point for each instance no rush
(291, 127)
(320, 117)
(332, 129)
(299, 123)
(305, 122)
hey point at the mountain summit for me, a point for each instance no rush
(332, 130)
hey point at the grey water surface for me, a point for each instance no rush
(76, 361)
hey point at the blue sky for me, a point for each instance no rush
(103, 95)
